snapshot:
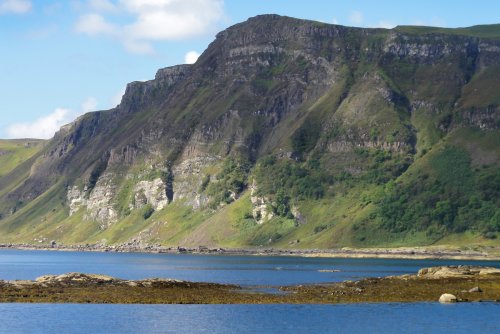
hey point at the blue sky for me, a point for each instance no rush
(59, 59)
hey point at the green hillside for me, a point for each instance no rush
(15, 152)
(285, 133)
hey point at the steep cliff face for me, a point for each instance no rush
(300, 114)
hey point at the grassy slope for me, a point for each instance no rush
(15, 152)
(484, 31)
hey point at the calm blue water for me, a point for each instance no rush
(245, 270)
(358, 318)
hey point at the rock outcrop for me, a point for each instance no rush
(456, 271)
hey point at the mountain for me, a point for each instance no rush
(284, 133)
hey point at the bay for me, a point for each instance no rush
(355, 318)
(242, 270)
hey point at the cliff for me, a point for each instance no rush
(285, 132)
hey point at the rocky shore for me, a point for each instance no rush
(446, 284)
(432, 252)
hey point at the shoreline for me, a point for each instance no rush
(410, 253)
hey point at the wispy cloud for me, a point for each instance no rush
(95, 24)
(149, 20)
(45, 127)
(385, 24)
(117, 98)
(15, 6)
(191, 57)
(90, 104)
(356, 17)
(42, 128)
(434, 22)
(103, 6)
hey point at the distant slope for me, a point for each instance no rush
(16, 151)
(284, 133)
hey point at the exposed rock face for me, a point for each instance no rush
(138, 94)
(188, 177)
(76, 199)
(99, 204)
(151, 192)
(262, 207)
(349, 146)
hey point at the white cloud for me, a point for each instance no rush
(433, 22)
(191, 57)
(356, 17)
(15, 6)
(438, 22)
(335, 21)
(43, 32)
(117, 99)
(418, 23)
(102, 6)
(94, 24)
(45, 127)
(42, 128)
(386, 25)
(135, 46)
(171, 19)
(90, 104)
(150, 20)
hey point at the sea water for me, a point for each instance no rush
(344, 318)
(244, 270)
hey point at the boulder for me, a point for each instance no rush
(476, 289)
(447, 298)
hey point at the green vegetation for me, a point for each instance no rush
(485, 31)
(445, 197)
(14, 152)
(229, 182)
(288, 180)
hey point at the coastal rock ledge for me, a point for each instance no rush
(81, 279)
(459, 284)
(456, 271)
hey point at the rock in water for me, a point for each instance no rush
(447, 298)
(456, 271)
